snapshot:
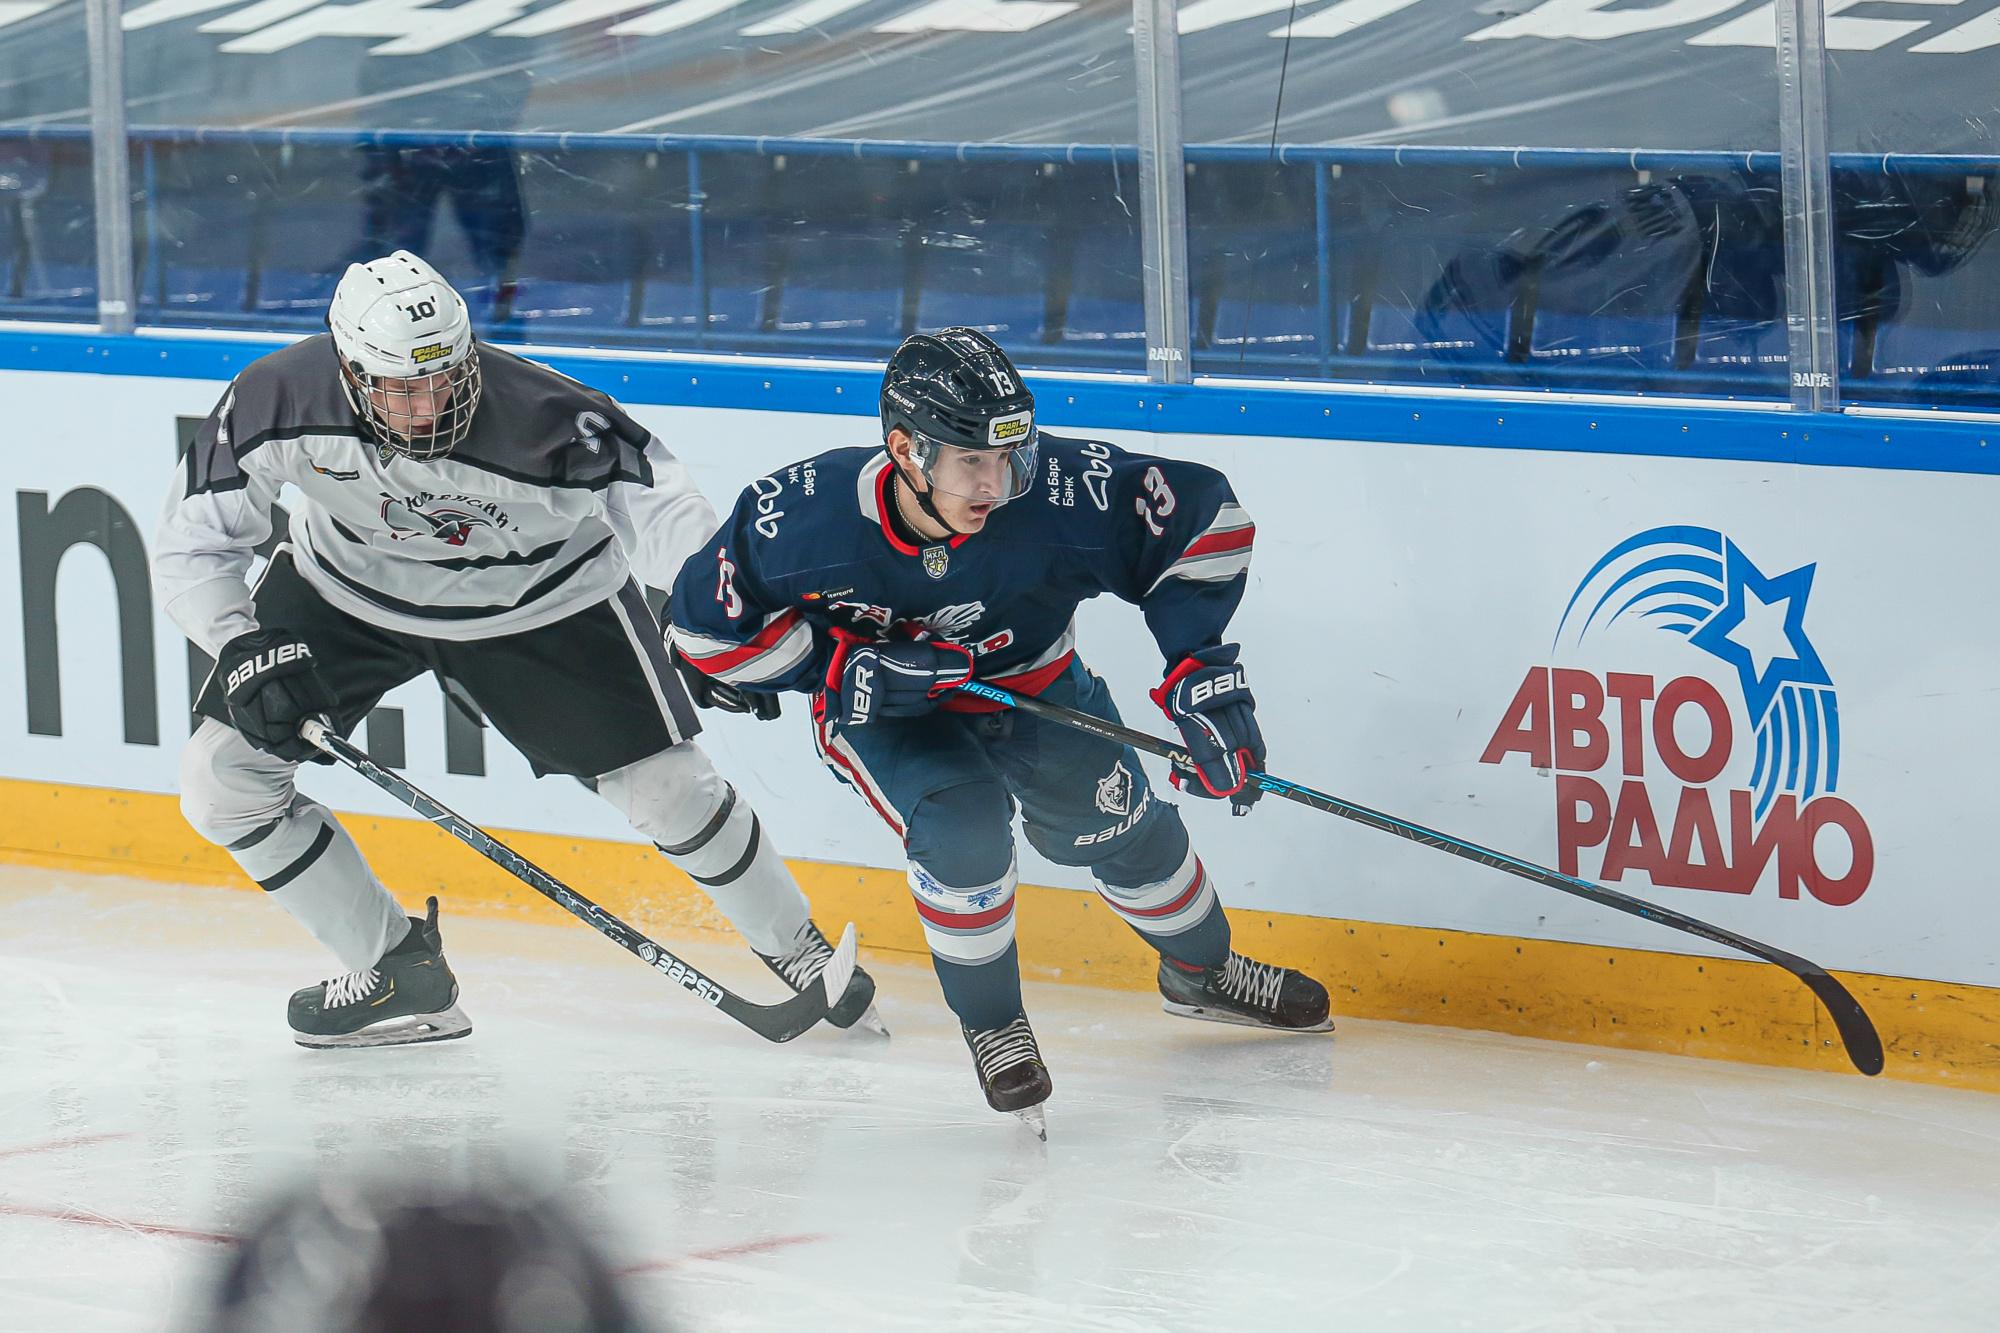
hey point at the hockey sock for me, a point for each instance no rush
(742, 872)
(310, 866)
(971, 934)
(698, 822)
(1178, 915)
(986, 995)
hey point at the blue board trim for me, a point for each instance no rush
(1671, 430)
(766, 145)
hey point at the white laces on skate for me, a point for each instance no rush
(352, 988)
(997, 1049)
(807, 959)
(1252, 982)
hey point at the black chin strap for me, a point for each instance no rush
(924, 503)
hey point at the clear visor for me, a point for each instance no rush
(424, 416)
(981, 476)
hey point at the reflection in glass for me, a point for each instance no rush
(588, 175)
(48, 223)
(1917, 265)
(1358, 208)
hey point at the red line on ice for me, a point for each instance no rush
(57, 1145)
(112, 1223)
(736, 1251)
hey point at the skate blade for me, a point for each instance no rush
(1036, 1119)
(1179, 1010)
(871, 1021)
(408, 1030)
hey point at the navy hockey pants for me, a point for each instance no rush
(949, 784)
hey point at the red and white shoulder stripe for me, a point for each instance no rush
(783, 641)
(1221, 550)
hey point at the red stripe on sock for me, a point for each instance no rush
(937, 916)
(1153, 913)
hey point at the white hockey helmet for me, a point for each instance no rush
(407, 359)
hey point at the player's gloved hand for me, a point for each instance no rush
(870, 680)
(708, 692)
(272, 685)
(1208, 698)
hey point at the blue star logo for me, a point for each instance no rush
(1760, 631)
(1694, 582)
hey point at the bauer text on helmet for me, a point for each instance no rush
(408, 361)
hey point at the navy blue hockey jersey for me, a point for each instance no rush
(811, 547)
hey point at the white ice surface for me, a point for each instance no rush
(1196, 1177)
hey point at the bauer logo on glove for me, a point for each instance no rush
(272, 685)
(1208, 697)
(860, 697)
(1209, 689)
(288, 652)
(869, 680)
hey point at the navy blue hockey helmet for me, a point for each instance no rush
(957, 388)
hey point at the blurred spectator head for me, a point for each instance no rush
(389, 1257)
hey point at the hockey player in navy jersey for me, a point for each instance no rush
(877, 580)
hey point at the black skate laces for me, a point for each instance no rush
(1252, 982)
(995, 1050)
(807, 959)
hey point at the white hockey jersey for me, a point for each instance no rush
(546, 508)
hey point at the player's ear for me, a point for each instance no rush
(902, 452)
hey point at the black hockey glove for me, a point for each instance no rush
(1208, 698)
(870, 680)
(708, 692)
(273, 685)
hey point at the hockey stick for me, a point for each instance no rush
(773, 1022)
(1857, 1031)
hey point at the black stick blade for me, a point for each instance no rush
(1857, 1032)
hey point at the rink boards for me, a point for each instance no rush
(1716, 657)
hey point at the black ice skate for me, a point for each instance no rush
(1245, 991)
(1011, 1072)
(804, 962)
(409, 996)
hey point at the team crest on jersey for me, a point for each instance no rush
(449, 524)
(937, 561)
(1114, 790)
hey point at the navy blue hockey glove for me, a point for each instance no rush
(1208, 698)
(870, 680)
(272, 685)
(708, 692)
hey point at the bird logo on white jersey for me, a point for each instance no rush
(450, 526)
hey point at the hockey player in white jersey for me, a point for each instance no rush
(472, 514)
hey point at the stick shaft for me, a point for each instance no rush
(778, 1022)
(1857, 1031)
